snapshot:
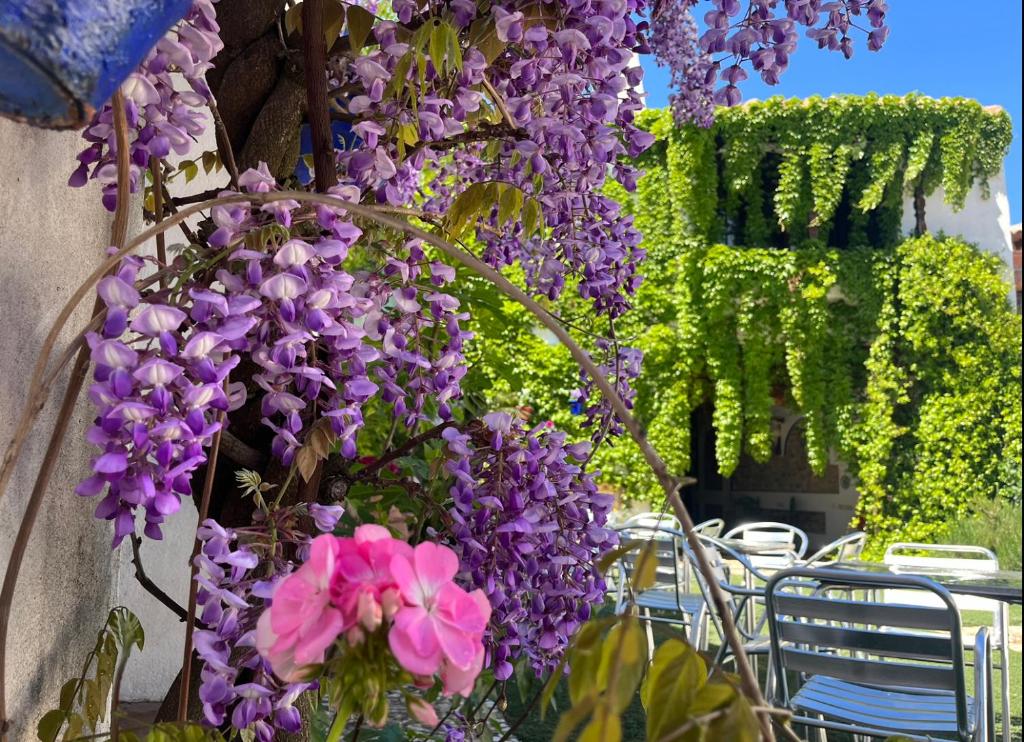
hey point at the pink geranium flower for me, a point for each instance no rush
(301, 622)
(440, 626)
(363, 588)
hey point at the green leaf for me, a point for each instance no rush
(602, 728)
(673, 681)
(645, 570)
(711, 697)
(127, 629)
(547, 696)
(484, 38)
(573, 717)
(739, 724)
(453, 48)
(438, 45)
(360, 23)
(95, 703)
(510, 203)
(625, 651)
(190, 169)
(293, 20)
(583, 666)
(467, 208)
(607, 560)
(50, 725)
(211, 162)
(533, 218)
(334, 19)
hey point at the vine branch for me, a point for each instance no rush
(151, 587)
(402, 450)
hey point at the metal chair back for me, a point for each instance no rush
(865, 642)
(653, 520)
(951, 557)
(668, 552)
(739, 599)
(848, 548)
(712, 527)
(789, 538)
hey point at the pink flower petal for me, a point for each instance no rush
(435, 566)
(461, 681)
(311, 646)
(423, 712)
(371, 532)
(323, 555)
(414, 643)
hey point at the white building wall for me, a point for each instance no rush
(984, 222)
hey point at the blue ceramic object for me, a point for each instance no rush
(62, 59)
(344, 138)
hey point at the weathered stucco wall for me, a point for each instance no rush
(51, 238)
(984, 222)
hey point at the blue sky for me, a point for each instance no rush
(938, 48)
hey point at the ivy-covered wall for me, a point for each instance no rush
(775, 172)
(904, 356)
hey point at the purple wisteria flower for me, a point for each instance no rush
(161, 118)
(675, 43)
(620, 365)
(755, 32)
(529, 525)
(238, 687)
(325, 342)
(156, 397)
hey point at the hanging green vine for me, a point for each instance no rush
(808, 154)
(903, 361)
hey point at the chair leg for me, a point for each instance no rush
(649, 625)
(1005, 679)
(704, 629)
(820, 735)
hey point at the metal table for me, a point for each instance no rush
(1004, 585)
(756, 548)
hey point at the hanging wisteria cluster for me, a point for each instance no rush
(762, 34)
(238, 686)
(321, 326)
(530, 525)
(676, 44)
(162, 117)
(156, 390)
(160, 377)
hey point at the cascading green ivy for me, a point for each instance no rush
(802, 157)
(902, 357)
(905, 360)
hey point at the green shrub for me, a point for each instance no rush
(996, 525)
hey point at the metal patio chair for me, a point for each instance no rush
(868, 668)
(668, 601)
(847, 548)
(788, 537)
(965, 558)
(741, 600)
(712, 527)
(653, 520)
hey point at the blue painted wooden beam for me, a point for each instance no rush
(62, 59)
